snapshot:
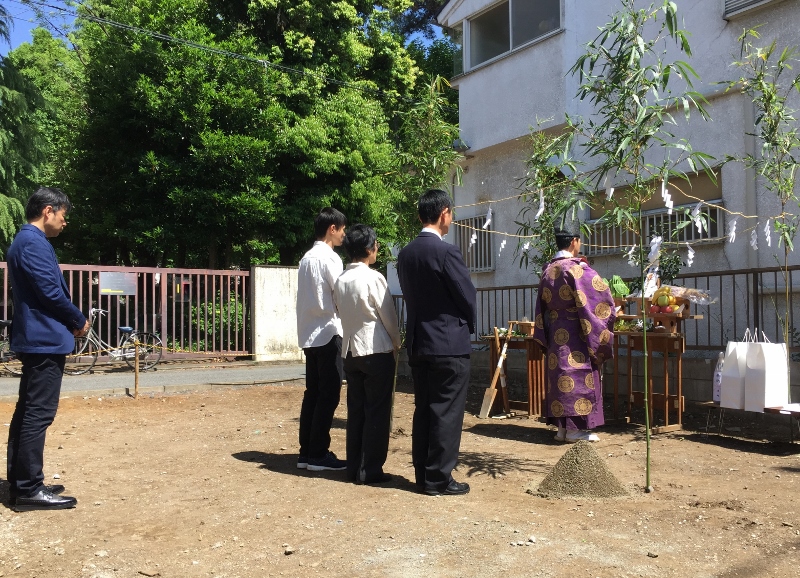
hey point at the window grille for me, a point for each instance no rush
(610, 239)
(734, 7)
(480, 257)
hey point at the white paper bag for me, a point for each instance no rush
(766, 383)
(733, 372)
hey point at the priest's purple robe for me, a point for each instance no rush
(574, 322)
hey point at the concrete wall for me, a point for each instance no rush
(274, 319)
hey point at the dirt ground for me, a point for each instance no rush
(205, 484)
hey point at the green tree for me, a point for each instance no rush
(420, 17)
(426, 155)
(20, 142)
(767, 79)
(58, 75)
(193, 157)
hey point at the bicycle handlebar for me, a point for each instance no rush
(93, 312)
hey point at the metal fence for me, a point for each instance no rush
(192, 310)
(748, 298)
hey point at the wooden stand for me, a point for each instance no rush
(535, 372)
(669, 341)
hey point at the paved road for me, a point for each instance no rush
(171, 377)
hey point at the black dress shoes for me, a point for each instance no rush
(454, 488)
(373, 480)
(54, 489)
(44, 499)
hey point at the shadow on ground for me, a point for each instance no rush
(287, 464)
(494, 465)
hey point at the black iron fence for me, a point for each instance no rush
(754, 299)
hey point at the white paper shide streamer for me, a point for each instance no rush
(502, 246)
(540, 212)
(629, 256)
(655, 248)
(698, 220)
(732, 230)
(768, 234)
(754, 239)
(488, 219)
(526, 247)
(609, 189)
(472, 240)
(690, 255)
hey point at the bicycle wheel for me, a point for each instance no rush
(82, 358)
(10, 362)
(150, 348)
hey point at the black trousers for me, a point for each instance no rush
(323, 390)
(440, 394)
(39, 390)
(369, 412)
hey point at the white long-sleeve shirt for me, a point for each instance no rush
(317, 320)
(366, 308)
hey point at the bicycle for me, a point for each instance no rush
(7, 357)
(88, 347)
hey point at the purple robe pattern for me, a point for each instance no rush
(574, 322)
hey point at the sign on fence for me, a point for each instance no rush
(116, 283)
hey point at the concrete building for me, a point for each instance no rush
(514, 74)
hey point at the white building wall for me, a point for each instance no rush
(502, 100)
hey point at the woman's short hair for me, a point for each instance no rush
(44, 197)
(359, 240)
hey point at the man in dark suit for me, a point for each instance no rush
(440, 299)
(43, 332)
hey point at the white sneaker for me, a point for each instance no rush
(561, 434)
(581, 435)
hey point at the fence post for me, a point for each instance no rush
(756, 301)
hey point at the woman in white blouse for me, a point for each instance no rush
(371, 338)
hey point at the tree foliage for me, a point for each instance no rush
(420, 18)
(766, 78)
(427, 158)
(195, 158)
(20, 141)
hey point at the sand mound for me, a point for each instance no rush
(581, 472)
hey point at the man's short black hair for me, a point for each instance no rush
(431, 204)
(44, 197)
(327, 217)
(564, 238)
(359, 240)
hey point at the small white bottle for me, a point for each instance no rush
(717, 390)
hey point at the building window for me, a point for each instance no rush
(479, 257)
(735, 7)
(509, 25)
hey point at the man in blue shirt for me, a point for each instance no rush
(43, 332)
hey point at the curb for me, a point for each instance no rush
(161, 389)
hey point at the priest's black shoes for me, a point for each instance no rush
(454, 488)
(44, 499)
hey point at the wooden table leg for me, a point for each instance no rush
(650, 382)
(630, 377)
(531, 368)
(665, 353)
(679, 379)
(616, 376)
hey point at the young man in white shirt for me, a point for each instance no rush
(319, 331)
